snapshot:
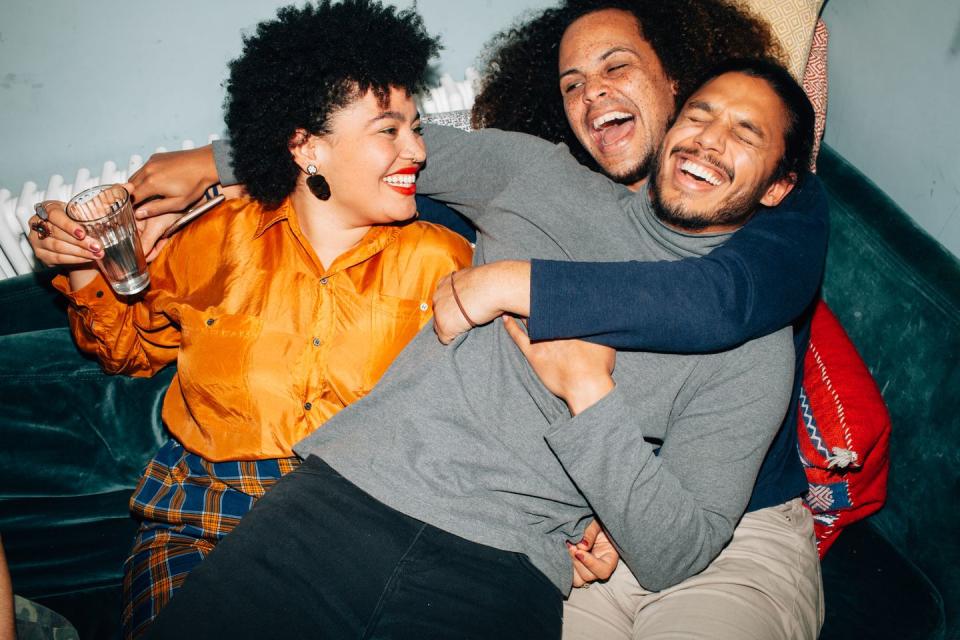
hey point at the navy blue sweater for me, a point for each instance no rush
(766, 276)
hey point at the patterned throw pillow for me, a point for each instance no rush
(792, 22)
(815, 85)
(844, 431)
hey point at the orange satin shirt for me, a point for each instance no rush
(268, 343)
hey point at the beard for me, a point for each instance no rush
(734, 211)
(632, 176)
(627, 177)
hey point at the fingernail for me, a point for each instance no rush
(79, 233)
(94, 247)
(569, 544)
(578, 555)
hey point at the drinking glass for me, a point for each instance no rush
(105, 212)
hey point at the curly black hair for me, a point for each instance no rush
(298, 69)
(520, 91)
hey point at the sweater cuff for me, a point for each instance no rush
(606, 415)
(223, 157)
(552, 292)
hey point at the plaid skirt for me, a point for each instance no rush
(185, 505)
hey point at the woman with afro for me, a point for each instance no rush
(282, 307)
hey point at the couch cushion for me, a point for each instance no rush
(873, 591)
(82, 439)
(29, 303)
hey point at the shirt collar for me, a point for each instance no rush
(373, 242)
(269, 217)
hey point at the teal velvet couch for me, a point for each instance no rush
(69, 458)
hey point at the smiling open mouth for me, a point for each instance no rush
(403, 182)
(612, 127)
(701, 173)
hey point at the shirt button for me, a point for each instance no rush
(99, 294)
(307, 406)
(317, 342)
(424, 306)
(323, 281)
(210, 322)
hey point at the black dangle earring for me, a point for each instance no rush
(317, 183)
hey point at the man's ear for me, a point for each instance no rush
(674, 88)
(779, 190)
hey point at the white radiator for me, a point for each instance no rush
(16, 256)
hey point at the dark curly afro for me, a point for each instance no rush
(520, 91)
(298, 69)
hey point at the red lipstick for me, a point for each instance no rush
(407, 190)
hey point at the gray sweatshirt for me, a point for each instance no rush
(466, 438)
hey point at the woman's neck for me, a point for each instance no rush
(330, 231)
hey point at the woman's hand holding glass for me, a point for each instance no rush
(65, 241)
(66, 244)
(168, 182)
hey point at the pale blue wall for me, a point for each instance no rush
(895, 103)
(83, 82)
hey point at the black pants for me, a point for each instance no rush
(318, 558)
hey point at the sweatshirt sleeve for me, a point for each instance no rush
(671, 514)
(223, 157)
(755, 283)
(467, 170)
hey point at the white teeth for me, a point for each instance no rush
(700, 171)
(613, 115)
(401, 179)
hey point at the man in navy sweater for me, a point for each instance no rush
(618, 100)
(764, 278)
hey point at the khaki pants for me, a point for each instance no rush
(765, 585)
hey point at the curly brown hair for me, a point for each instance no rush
(299, 68)
(520, 92)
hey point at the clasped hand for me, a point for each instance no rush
(594, 557)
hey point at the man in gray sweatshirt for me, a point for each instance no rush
(441, 504)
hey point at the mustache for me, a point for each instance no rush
(705, 158)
